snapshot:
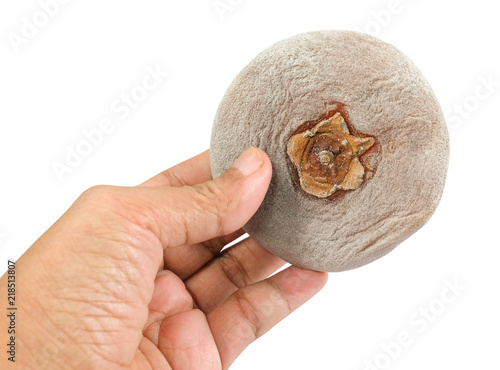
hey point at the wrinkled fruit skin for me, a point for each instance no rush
(346, 188)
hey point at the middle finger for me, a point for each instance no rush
(245, 263)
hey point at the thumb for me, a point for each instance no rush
(193, 214)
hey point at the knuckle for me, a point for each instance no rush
(250, 313)
(214, 202)
(234, 269)
(279, 298)
(213, 194)
(103, 202)
(98, 195)
(174, 178)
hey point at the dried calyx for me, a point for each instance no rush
(327, 157)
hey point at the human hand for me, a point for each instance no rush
(134, 277)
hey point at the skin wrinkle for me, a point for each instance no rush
(44, 325)
(217, 203)
(136, 223)
(281, 295)
(171, 223)
(111, 312)
(138, 220)
(247, 244)
(174, 178)
(103, 355)
(54, 362)
(113, 317)
(146, 230)
(115, 311)
(128, 277)
(234, 270)
(249, 313)
(99, 347)
(40, 300)
(90, 333)
(216, 244)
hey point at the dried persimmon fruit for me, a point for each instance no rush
(358, 143)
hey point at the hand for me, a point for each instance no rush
(134, 278)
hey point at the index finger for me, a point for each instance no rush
(193, 171)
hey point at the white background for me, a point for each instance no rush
(65, 79)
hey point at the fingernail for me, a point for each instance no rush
(249, 161)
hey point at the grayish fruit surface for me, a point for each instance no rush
(293, 82)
